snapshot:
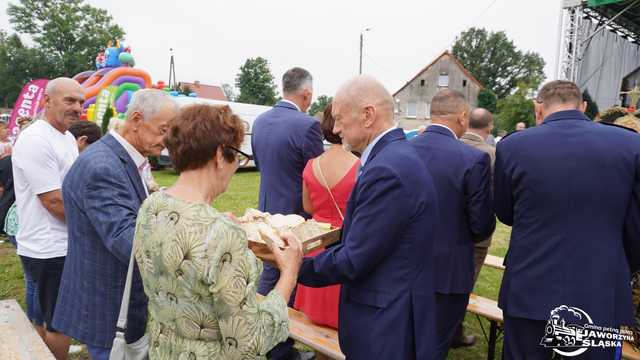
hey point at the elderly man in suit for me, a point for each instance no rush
(567, 187)
(462, 178)
(385, 259)
(102, 194)
(284, 139)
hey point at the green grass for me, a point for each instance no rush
(243, 193)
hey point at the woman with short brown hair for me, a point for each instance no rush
(196, 268)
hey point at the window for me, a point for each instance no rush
(427, 111)
(464, 83)
(422, 82)
(443, 80)
(412, 109)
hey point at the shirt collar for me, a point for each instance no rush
(446, 127)
(367, 151)
(135, 155)
(292, 103)
(473, 135)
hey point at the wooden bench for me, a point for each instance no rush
(322, 339)
(495, 262)
(20, 341)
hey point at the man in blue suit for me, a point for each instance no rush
(566, 187)
(462, 178)
(102, 194)
(283, 140)
(385, 259)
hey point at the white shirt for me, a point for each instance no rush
(446, 127)
(292, 103)
(42, 156)
(144, 170)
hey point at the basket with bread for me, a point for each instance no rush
(262, 227)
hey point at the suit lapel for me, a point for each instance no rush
(129, 165)
(391, 136)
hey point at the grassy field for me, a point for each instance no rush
(243, 193)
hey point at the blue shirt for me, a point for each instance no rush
(367, 150)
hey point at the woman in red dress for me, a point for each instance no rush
(327, 184)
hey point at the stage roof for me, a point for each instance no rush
(629, 20)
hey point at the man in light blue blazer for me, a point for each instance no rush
(284, 139)
(385, 260)
(102, 194)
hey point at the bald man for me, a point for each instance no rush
(462, 178)
(385, 258)
(41, 158)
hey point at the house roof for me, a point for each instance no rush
(206, 91)
(455, 61)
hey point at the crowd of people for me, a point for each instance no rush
(106, 255)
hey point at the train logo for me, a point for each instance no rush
(565, 331)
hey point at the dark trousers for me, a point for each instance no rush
(450, 310)
(268, 279)
(522, 341)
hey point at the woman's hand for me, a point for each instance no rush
(288, 259)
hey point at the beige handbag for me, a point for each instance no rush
(120, 350)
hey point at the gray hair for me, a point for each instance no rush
(149, 102)
(296, 79)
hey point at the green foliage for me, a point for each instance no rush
(496, 62)
(68, 32)
(488, 100)
(18, 65)
(256, 83)
(516, 108)
(592, 108)
(106, 118)
(318, 106)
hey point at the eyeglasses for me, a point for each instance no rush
(243, 158)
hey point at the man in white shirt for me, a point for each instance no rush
(102, 194)
(43, 154)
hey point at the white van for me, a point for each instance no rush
(247, 112)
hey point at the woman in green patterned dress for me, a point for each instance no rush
(197, 270)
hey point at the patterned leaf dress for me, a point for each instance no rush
(201, 281)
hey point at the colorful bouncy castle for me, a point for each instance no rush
(112, 84)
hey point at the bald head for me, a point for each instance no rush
(365, 91)
(62, 84)
(64, 98)
(480, 118)
(362, 109)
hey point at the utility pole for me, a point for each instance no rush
(361, 44)
(172, 73)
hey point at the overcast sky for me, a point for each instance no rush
(212, 39)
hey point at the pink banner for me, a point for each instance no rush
(28, 104)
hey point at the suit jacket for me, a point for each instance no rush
(477, 142)
(567, 187)
(385, 258)
(283, 140)
(102, 193)
(462, 178)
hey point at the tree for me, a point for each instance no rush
(69, 32)
(488, 100)
(106, 119)
(256, 83)
(496, 62)
(592, 108)
(516, 108)
(320, 104)
(18, 65)
(229, 92)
